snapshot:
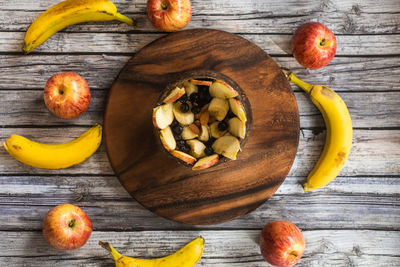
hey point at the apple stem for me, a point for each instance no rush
(164, 6)
(71, 223)
(302, 84)
(323, 42)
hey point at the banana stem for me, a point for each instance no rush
(302, 84)
(127, 20)
(115, 254)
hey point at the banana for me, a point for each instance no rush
(339, 133)
(187, 256)
(68, 13)
(47, 156)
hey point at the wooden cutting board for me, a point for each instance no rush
(220, 193)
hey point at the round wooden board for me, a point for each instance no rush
(220, 193)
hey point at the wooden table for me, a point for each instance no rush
(355, 221)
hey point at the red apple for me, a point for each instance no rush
(67, 95)
(67, 227)
(313, 45)
(169, 15)
(282, 243)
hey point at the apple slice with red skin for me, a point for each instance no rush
(215, 132)
(196, 148)
(282, 243)
(183, 156)
(174, 95)
(206, 162)
(204, 133)
(163, 116)
(237, 127)
(190, 88)
(237, 109)
(199, 82)
(218, 108)
(222, 90)
(227, 146)
(184, 118)
(66, 227)
(167, 139)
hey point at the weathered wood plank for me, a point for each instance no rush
(238, 16)
(348, 202)
(374, 152)
(375, 109)
(223, 248)
(63, 42)
(343, 74)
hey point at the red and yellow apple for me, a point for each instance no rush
(206, 162)
(67, 227)
(282, 243)
(67, 95)
(313, 45)
(169, 15)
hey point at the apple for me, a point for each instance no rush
(237, 109)
(184, 118)
(199, 82)
(206, 162)
(313, 45)
(196, 148)
(227, 146)
(67, 95)
(215, 132)
(183, 156)
(66, 227)
(167, 139)
(174, 95)
(188, 134)
(218, 108)
(190, 88)
(237, 127)
(204, 133)
(282, 243)
(163, 116)
(169, 15)
(222, 90)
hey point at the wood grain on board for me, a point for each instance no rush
(232, 188)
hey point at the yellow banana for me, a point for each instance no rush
(339, 133)
(187, 256)
(48, 156)
(68, 13)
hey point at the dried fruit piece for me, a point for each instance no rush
(199, 82)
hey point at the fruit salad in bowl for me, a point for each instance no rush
(202, 121)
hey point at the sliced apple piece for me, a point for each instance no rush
(174, 95)
(237, 109)
(190, 87)
(184, 118)
(163, 116)
(183, 156)
(188, 134)
(227, 146)
(218, 108)
(196, 148)
(167, 139)
(237, 127)
(204, 133)
(206, 162)
(200, 82)
(215, 132)
(222, 90)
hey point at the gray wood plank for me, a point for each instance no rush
(348, 202)
(355, 45)
(374, 152)
(222, 248)
(238, 16)
(343, 74)
(374, 109)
